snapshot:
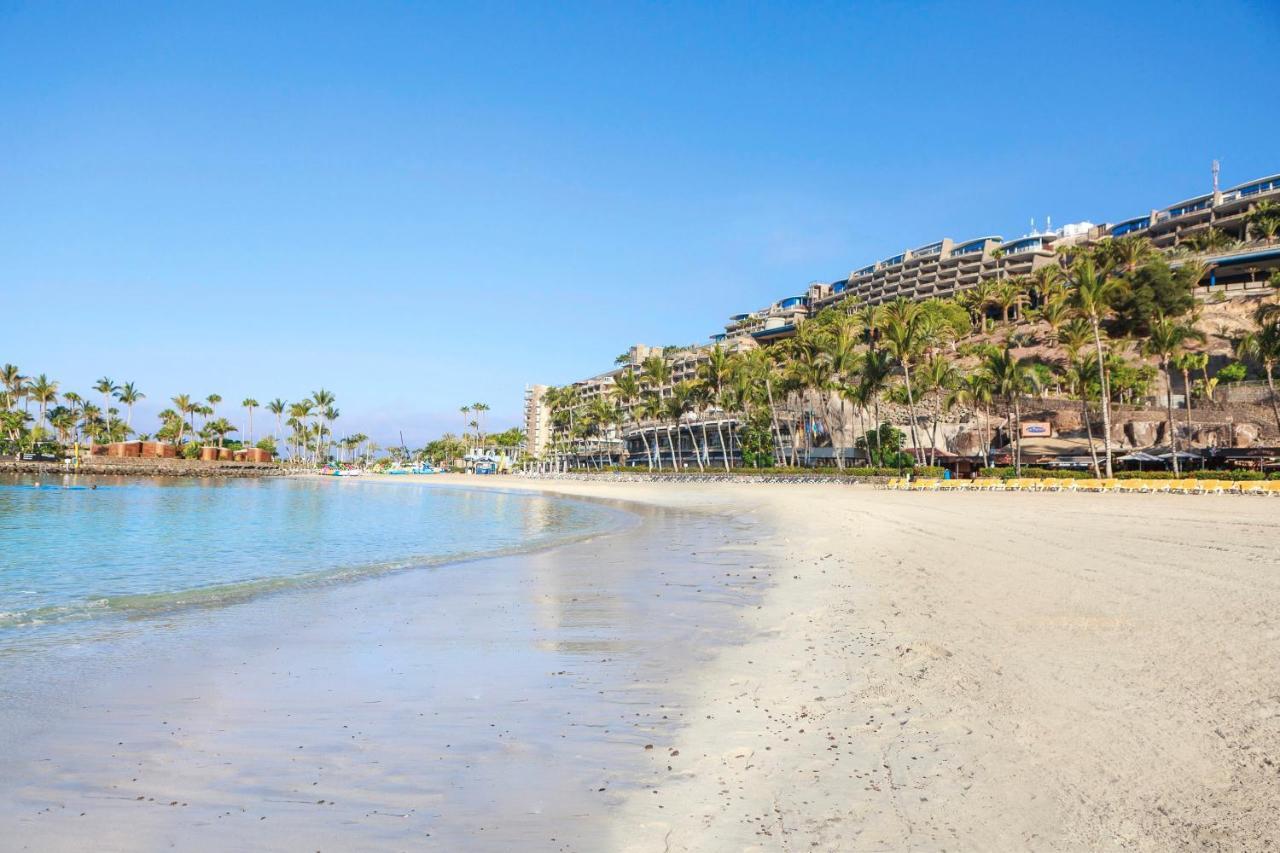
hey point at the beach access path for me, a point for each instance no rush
(995, 671)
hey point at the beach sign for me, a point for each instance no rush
(1037, 429)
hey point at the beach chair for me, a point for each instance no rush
(1158, 485)
(1252, 487)
(1051, 484)
(1189, 486)
(891, 483)
(1214, 487)
(1110, 485)
(1271, 487)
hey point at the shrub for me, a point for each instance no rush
(1233, 372)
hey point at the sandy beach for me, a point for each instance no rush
(834, 668)
(983, 671)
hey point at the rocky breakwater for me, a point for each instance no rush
(144, 467)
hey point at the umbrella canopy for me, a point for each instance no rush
(1182, 454)
(1140, 456)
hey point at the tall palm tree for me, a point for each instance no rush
(185, 406)
(1165, 340)
(277, 408)
(44, 392)
(1011, 379)
(323, 401)
(877, 369)
(715, 373)
(903, 330)
(480, 409)
(1091, 296)
(465, 411)
(106, 388)
(1263, 346)
(627, 388)
(13, 381)
(250, 404)
(129, 395)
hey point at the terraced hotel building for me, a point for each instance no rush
(945, 268)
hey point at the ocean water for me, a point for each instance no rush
(79, 552)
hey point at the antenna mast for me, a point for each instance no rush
(1216, 167)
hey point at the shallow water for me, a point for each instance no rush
(497, 704)
(84, 548)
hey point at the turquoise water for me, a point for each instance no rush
(72, 556)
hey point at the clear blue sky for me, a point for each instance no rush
(418, 206)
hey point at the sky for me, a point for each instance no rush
(419, 206)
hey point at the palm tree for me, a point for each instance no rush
(185, 407)
(13, 382)
(250, 404)
(129, 395)
(1264, 220)
(1186, 362)
(1130, 251)
(220, 427)
(1011, 378)
(465, 411)
(715, 373)
(44, 392)
(1263, 346)
(213, 400)
(480, 409)
(902, 331)
(323, 401)
(974, 389)
(1166, 339)
(277, 408)
(106, 388)
(877, 368)
(1077, 374)
(627, 387)
(1091, 297)
(937, 376)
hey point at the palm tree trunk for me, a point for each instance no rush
(1186, 391)
(773, 419)
(1017, 438)
(1168, 398)
(724, 451)
(1105, 387)
(1271, 385)
(911, 409)
(1088, 428)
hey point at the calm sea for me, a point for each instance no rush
(73, 556)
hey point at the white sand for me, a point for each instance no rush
(982, 671)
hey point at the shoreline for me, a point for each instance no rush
(901, 671)
(474, 705)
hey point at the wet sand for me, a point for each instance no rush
(842, 669)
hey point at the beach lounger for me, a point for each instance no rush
(1110, 485)
(1272, 487)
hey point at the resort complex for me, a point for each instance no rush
(1069, 347)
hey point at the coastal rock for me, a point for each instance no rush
(1217, 435)
(1065, 421)
(1245, 435)
(967, 443)
(1143, 433)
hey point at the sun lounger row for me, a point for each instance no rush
(1189, 486)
